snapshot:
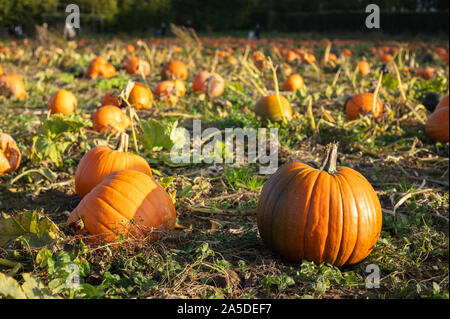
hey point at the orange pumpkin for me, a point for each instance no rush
(167, 92)
(268, 108)
(63, 102)
(1, 70)
(11, 85)
(100, 161)
(9, 154)
(362, 104)
(426, 73)
(363, 67)
(126, 203)
(174, 70)
(181, 88)
(331, 214)
(442, 103)
(108, 99)
(293, 83)
(210, 83)
(110, 119)
(140, 96)
(100, 67)
(386, 58)
(130, 48)
(436, 126)
(134, 65)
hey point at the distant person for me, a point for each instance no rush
(163, 29)
(69, 31)
(18, 31)
(258, 31)
(251, 35)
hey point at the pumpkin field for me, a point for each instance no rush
(93, 205)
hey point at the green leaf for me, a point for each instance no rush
(37, 230)
(10, 288)
(157, 135)
(46, 148)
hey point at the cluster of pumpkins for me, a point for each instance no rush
(323, 214)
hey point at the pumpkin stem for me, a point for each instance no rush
(123, 144)
(329, 160)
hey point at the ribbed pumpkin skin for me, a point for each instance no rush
(99, 162)
(127, 203)
(437, 127)
(362, 104)
(9, 154)
(306, 213)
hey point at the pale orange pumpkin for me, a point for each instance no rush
(210, 83)
(110, 119)
(11, 85)
(9, 154)
(127, 203)
(174, 70)
(140, 96)
(293, 83)
(331, 214)
(63, 102)
(363, 67)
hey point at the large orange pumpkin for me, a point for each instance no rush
(63, 102)
(174, 70)
(11, 85)
(110, 119)
(362, 104)
(442, 103)
(436, 126)
(100, 161)
(140, 96)
(9, 154)
(268, 108)
(331, 214)
(126, 203)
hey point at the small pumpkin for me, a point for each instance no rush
(11, 85)
(167, 92)
(386, 58)
(210, 83)
(363, 67)
(9, 154)
(1, 70)
(140, 96)
(293, 83)
(269, 108)
(100, 161)
(134, 65)
(126, 203)
(181, 88)
(110, 119)
(437, 127)
(100, 67)
(363, 104)
(63, 102)
(174, 70)
(109, 99)
(331, 214)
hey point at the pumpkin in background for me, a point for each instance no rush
(362, 104)
(130, 48)
(181, 88)
(110, 119)
(167, 92)
(108, 99)
(11, 85)
(386, 58)
(100, 161)
(331, 214)
(9, 154)
(126, 203)
(442, 103)
(426, 73)
(1, 70)
(363, 67)
(293, 83)
(174, 70)
(140, 96)
(134, 65)
(209, 83)
(268, 108)
(436, 126)
(63, 102)
(100, 67)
